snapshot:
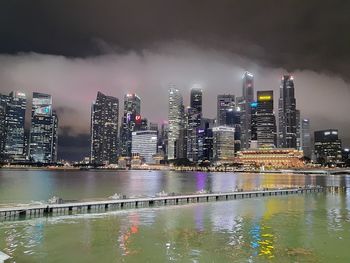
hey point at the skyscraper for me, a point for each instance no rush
(194, 117)
(223, 143)
(225, 103)
(287, 129)
(43, 132)
(265, 120)
(175, 117)
(305, 137)
(244, 104)
(233, 119)
(144, 143)
(298, 129)
(196, 99)
(131, 121)
(328, 148)
(253, 123)
(2, 129)
(12, 120)
(104, 129)
(207, 128)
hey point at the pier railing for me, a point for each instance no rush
(11, 213)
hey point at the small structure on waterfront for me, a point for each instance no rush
(271, 158)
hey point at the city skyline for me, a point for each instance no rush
(196, 86)
(116, 57)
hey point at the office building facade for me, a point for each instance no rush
(104, 129)
(131, 121)
(287, 115)
(12, 121)
(223, 144)
(305, 137)
(175, 120)
(225, 103)
(265, 120)
(144, 144)
(244, 103)
(328, 147)
(43, 130)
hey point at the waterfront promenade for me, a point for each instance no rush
(15, 212)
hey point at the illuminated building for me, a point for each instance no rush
(253, 121)
(2, 129)
(271, 157)
(131, 121)
(207, 128)
(181, 144)
(244, 104)
(194, 116)
(265, 120)
(233, 119)
(328, 147)
(193, 124)
(144, 143)
(163, 140)
(346, 155)
(305, 137)
(225, 103)
(12, 120)
(196, 99)
(298, 130)
(43, 130)
(223, 143)
(104, 129)
(287, 128)
(175, 119)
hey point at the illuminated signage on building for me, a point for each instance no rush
(138, 119)
(254, 104)
(265, 98)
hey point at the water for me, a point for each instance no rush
(295, 228)
(20, 186)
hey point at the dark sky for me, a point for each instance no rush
(71, 49)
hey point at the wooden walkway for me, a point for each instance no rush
(11, 213)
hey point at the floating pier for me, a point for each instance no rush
(31, 211)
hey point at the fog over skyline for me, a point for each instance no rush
(71, 50)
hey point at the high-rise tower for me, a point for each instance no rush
(43, 130)
(104, 129)
(225, 103)
(265, 120)
(12, 120)
(287, 128)
(130, 122)
(194, 117)
(245, 107)
(175, 119)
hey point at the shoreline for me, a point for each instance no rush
(332, 171)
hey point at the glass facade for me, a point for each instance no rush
(104, 129)
(44, 130)
(287, 116)
(175, 118)
(131, 120)
(12, 121)
(144, 143)
(265, 120)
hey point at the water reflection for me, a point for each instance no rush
(310, 228)
(23, 186)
